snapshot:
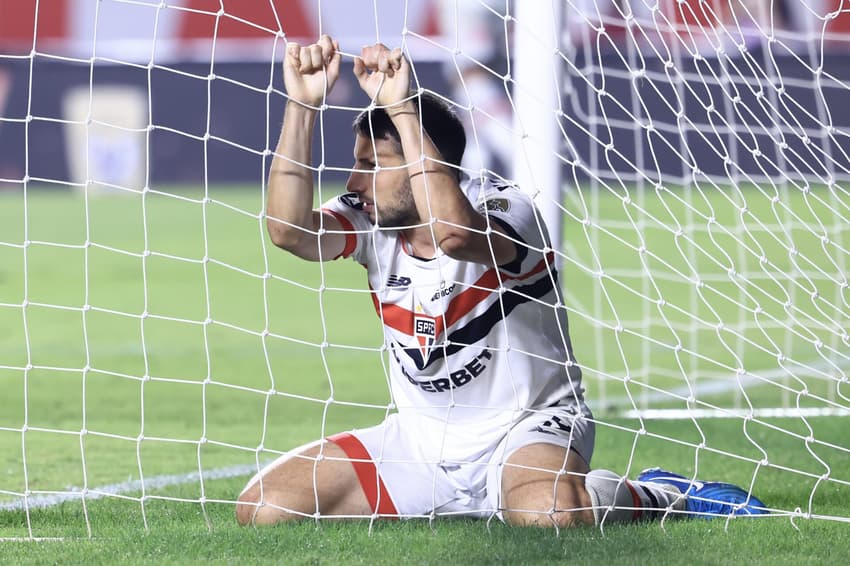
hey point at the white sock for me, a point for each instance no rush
(631, 500)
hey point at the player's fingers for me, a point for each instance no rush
(367, 57)
(384, 64)
(316, 57)
(306, 61)
(360, 70)
(293, 55)
(327, 47)
(336, 58)
(371, 54)
(396, 57)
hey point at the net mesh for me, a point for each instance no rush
(157, 350)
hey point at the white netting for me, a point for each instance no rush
(154, 343)
(732, 129)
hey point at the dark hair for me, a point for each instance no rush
(441, 124)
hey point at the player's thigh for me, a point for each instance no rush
(318, 478)
(543, 484)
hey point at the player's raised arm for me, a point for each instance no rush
(459, 230)
(309, 74)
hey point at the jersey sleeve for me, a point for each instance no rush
(514, 212)
(346, 208)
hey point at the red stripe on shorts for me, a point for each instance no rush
(373, 486)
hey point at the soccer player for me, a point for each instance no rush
(491, 417)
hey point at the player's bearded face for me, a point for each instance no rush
(396, 209)
(384, 194)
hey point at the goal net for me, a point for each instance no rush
(690, 158)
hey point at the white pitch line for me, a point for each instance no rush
(681, 414)
(156, 482)
(702, 388)
(33, 539)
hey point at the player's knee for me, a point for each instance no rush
(549, 519)
(574, 517)
(566, 507)
(251, 509)
(246, 507)
(557, 516)
(246, 510)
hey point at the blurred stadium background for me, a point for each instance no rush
(190, 70)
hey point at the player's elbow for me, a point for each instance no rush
(469, 245)
(283, 235)
(454, 242)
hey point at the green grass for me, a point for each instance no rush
(139, 385)
(182, 539)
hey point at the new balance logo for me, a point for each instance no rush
(398, 281)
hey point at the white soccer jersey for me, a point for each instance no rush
(472, 347)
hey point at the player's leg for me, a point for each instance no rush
(546, 478)
(378, 471)
(545, 461)
(546, 484)
(543, 485)
(316, 478)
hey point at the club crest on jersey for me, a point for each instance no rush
(425, 332)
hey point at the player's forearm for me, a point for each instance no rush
(435, 186)
(290, 202)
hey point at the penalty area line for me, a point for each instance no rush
(33, 539)
(771, 412)
(46, 500)
(622, 406)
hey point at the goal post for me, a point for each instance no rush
(537, 96)
(690, 159)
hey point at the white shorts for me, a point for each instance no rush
(400, 479)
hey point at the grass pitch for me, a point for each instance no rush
(118, 366)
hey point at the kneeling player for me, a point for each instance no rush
(491, 416)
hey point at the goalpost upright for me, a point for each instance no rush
(537, 90)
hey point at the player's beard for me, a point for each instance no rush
(401, 213)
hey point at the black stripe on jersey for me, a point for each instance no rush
(480, 326)
(416, 355)
(514, 266)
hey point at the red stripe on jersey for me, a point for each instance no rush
(396, 317)
(636, 500)
(401, 319)
(367, 473)
(461, 305)
(348, 228)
